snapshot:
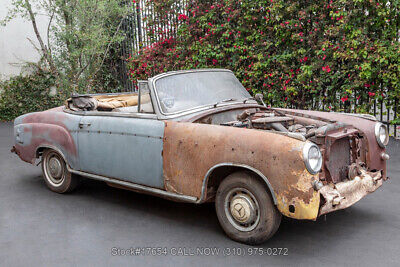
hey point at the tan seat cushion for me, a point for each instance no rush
(109, 102)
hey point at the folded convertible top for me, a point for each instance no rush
(101, 102)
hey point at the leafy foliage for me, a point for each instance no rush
(80, 34)
(339, 55)
(23, 94)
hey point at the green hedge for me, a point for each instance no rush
(330, 55)
(29, 93)
(39, 91)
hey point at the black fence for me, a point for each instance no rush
(386, 111)
(143, 27)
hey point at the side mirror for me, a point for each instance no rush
(260, 98)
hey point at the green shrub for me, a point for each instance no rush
(23, 94)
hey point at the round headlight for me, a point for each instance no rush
(312, 157)
(381, 134)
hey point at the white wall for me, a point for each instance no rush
(14, 46)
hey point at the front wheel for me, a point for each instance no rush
(56, 174)
(245, 209)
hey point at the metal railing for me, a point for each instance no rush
(385, 112)
(146, 26)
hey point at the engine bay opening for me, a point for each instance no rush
(342, 146)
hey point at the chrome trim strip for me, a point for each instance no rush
(117, 133)
(143, 188)
(363, 116)
(112, 114)
(169, 73)
(210, 107)
(230, 164)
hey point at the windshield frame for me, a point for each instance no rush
(193, 109)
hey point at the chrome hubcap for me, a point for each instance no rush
(242, 210)
(55, 168)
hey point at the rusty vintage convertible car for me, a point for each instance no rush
(198, 136)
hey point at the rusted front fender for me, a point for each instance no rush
(191, 150)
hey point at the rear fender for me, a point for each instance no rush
(31, 137)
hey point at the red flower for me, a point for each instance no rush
(344, 99)
(326, 68)
(371, 94)
(182, 17)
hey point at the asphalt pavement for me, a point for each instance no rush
(101, 226)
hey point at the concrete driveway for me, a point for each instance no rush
(98, 225)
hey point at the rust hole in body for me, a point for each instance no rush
(292, 209)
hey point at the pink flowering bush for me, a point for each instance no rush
(339, 55)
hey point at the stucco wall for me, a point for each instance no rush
(14, 46)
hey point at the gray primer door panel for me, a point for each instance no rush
(128, 149)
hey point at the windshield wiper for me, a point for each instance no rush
(225, 100)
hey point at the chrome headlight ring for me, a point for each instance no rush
(381, 134)
(312, 157)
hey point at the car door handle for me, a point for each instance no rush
(83, 124)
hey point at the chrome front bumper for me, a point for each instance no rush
(344, 194)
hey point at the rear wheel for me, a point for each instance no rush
(245, 209)
(56, 174)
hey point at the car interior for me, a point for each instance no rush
(135, 102)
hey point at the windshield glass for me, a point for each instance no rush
(185, 91)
